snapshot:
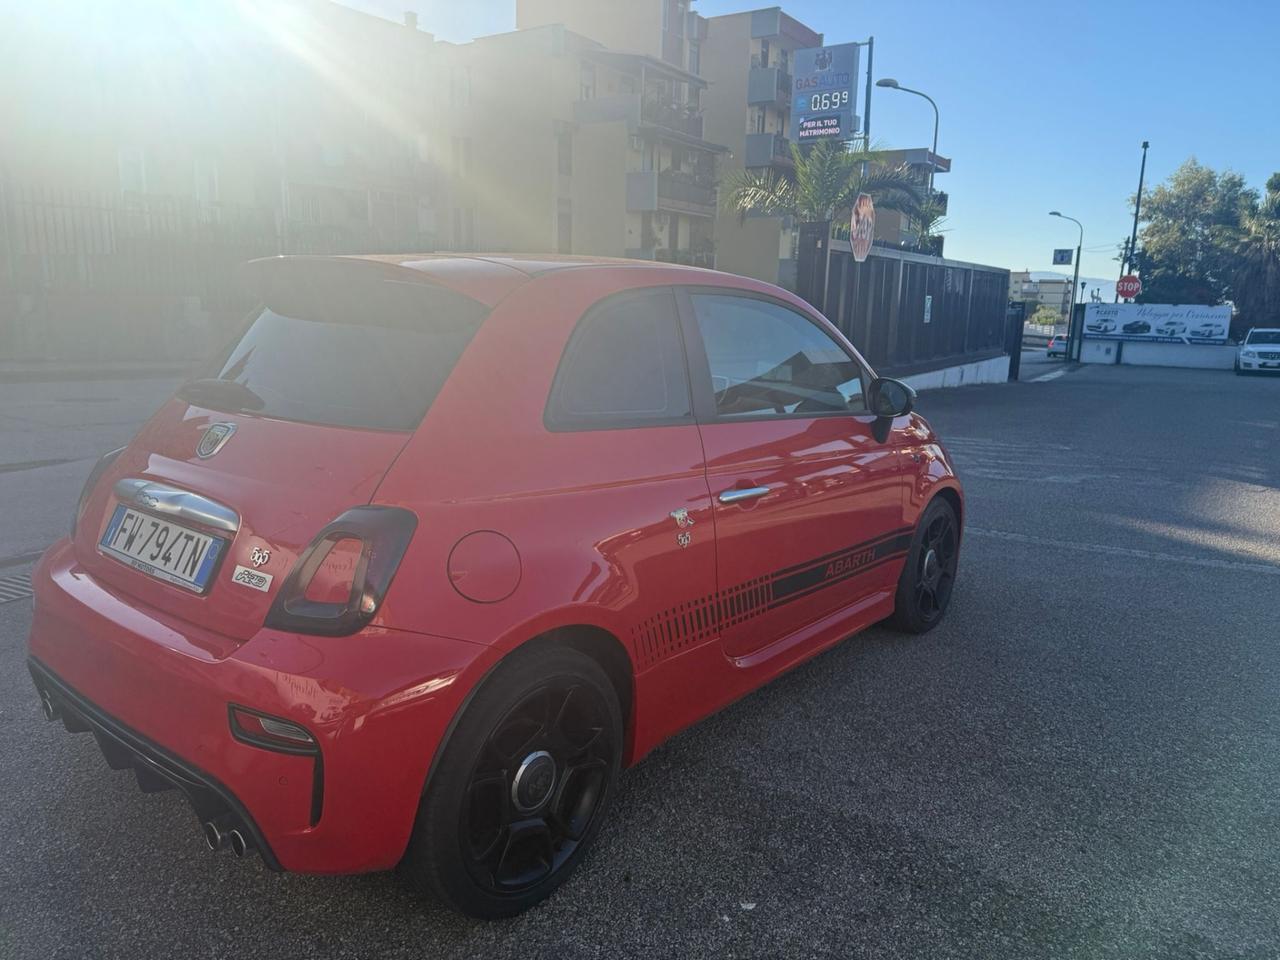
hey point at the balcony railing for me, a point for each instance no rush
(768, 85)
(680, 192)
(678, 117)
(765, 149)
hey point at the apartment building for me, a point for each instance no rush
(666, 30)
(1040, 290)
(560, 141)
(896, 229)
(746, 59)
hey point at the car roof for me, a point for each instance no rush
(487, 278)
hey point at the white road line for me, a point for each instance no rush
(1214, 562)
(1045, 378)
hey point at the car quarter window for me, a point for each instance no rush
(769, 360)
(623, 367)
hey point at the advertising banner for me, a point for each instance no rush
(1156, 322)
(824, 92)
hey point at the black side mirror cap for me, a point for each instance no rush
(889, 398)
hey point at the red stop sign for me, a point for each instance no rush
(1129, 286)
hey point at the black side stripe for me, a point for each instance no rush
(693, 621)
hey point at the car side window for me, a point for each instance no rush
(768, 360)
(624, 366)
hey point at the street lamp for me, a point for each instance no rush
(894, 85)
(1072, 340)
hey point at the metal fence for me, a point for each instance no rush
(87, 276)
(907, 313)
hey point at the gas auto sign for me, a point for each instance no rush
(823, 93)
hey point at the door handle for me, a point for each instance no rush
(738, 494)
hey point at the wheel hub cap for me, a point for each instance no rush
(931, 566)
(534, 781)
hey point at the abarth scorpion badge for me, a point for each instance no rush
(683, 521)
(214, 439)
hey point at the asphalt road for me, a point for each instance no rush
(1082, 762)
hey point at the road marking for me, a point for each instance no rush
(15, 587)
(1103, 548)
(1045, 378)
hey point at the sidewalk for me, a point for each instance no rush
(35, 371)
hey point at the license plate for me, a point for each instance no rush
(162, 549)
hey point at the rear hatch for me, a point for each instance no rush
(311, 403)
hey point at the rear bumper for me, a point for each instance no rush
(155, 691)
(154, 767)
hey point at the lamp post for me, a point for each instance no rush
(894, 85)
(1073, 341)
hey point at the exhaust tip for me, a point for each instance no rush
(214, 838)
(47, 707)
(239, 846)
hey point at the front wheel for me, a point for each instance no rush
(522, 785)
(924, 588)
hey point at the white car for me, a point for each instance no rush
(1102, 326)
(1260, 351)
(1207, 331)
(1171, 328)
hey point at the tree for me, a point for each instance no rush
(1194, 223)
(1255, 285)
(926, 230)
(827, 180)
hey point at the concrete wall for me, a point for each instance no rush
(1201, 356)
(994, 370)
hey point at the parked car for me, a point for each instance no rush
(1260, 350)
(1207, 331)
(1136, 326)
(1101, 326)
(437, 546)
(1058, 345)
(1171, 328)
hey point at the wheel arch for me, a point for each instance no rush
(952, 496)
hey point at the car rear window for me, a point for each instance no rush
(341, 349)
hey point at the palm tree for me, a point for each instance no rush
(826, 183)
(827, 180)
(1255, 288)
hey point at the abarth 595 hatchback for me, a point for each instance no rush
(437, 546)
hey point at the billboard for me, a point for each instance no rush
(824, 91)
(1156, 322)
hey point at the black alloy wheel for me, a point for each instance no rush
(536, 786)
(522, 785)
(928, 576)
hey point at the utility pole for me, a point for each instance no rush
(1137, 209)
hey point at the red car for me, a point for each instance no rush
(439, 545)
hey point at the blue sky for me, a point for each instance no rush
(1044, 105)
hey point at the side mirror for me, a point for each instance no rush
(889, 398)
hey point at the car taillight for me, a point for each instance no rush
(95, 475)
(338, 583)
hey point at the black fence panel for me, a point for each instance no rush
(906, 312)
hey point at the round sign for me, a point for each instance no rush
(862, 226)
(1129, 286)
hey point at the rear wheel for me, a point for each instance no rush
(522, 786)
(924, 588)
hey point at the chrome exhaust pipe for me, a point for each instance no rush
(47, 707)
(240, 844)
(215, 838)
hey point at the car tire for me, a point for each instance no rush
(928, 576)
(500, 826)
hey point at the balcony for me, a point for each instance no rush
(768, 85)
(677, 117)
(632, 109)
(649, 190)
(766, 149)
